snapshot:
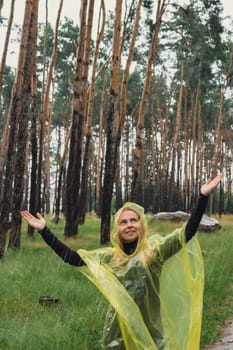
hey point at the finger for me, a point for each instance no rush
(208, 181)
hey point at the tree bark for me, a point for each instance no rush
(82, 203)
(33, 135)
(137, 163)
(77, 132)
(14, 112)
(112, 125)
(22, 138)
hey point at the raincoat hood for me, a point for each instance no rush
(142, 239)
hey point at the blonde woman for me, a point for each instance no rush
(154, 302)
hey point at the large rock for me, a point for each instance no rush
(207, 223)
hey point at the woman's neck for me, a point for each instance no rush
(129, 248)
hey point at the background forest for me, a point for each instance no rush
(138, 108)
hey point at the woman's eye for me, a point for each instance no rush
(123, 222)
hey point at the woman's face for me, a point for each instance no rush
(129, 226)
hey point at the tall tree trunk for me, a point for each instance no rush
(22, 138)
(33, 136)
(82, 203)
(153, 158)
(162, 202)
(126, 194)
(199, 160)
(3, 146)
(113, 125)
(39, 205)
(77, 132)
(61, 174)
(100, 153)
(186, 184)
(14, 111)
(125, 79)
(194, 145)
(174, 183)
(47, 112)
(218, 133)
(140, 122)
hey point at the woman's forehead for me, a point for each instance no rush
(128, 213)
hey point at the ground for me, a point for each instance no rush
(226, 339)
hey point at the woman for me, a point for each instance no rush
(155, 302)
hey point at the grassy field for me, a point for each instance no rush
(76, 322)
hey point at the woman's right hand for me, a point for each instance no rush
(38, 222)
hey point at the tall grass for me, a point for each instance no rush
(76, 322)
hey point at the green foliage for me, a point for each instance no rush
(77, 321)
(8, 80)
(135, 85)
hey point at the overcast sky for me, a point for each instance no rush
(70, 9)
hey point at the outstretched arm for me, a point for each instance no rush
(197, 213)
(65, 253)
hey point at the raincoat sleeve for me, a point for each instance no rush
(172, 243)
(65, 253)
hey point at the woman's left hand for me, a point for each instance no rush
(210, 185)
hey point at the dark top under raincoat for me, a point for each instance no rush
(155, 302)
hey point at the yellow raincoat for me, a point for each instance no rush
(155, 294)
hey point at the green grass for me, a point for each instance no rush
(77, 321)
(218, 293)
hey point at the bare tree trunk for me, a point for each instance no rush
(82, 204)
(99, 165)
(77, 132)
(174, 183)
(3, 146)
(113, 125)
(33, 136)
(154, 159)
(199, 152)
(61, 174)
(47, 112)
(14, 112)
(125, 79)
(39, 205)
(218, 134)
(127, 157)
(193, 174)
(22, 138)
(140, 122)
(186, 187)
(163, 199)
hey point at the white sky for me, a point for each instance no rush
(70, 9)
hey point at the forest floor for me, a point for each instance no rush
(226, 338)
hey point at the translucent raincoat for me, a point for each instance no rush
(155, 294)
